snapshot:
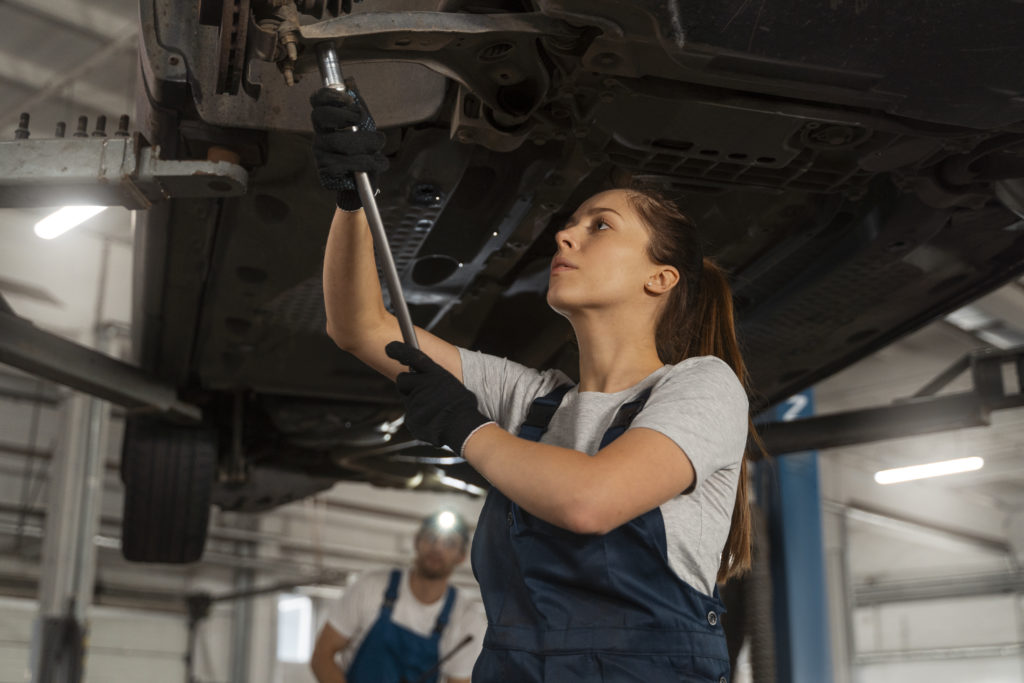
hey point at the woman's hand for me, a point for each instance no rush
(439, 409)
(345, 141)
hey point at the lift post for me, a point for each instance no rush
(789, 493)
(69, 553)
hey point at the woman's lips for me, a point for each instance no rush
(560, 265)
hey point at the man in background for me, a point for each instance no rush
(405, 626)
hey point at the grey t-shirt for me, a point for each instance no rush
(698, 403)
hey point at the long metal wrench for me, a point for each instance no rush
(330, 69)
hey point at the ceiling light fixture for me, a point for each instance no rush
(62, 220)
(931, 469)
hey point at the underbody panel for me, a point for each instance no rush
(850, 164)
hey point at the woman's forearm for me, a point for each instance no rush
(550, 482)
(635, 473)
(352, 294)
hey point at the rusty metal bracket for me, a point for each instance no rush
(494, 55)
(106, 172)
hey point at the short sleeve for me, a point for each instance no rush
(471, 623)
(355, 611)
(504, 388)
(700, 405)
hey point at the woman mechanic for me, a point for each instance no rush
(617, 504)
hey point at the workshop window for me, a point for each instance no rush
(294, 628)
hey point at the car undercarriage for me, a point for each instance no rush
(857, 168)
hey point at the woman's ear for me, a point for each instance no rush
(663, 280)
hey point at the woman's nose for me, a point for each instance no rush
(565, 238)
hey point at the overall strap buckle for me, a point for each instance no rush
(624, 417)
(541, 411)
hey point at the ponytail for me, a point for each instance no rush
(714, 334)
(697, 320)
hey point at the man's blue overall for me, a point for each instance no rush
(393, 654)
(564, 607)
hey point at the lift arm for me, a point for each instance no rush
(923, 413)
(26, 347)
(106, 171)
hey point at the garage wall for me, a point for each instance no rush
(124, 645)
(943, 533)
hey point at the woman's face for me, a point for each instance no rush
(602, 257)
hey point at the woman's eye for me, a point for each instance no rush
(602, 225)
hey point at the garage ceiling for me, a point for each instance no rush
(64, 58)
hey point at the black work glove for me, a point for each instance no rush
(439, 409)
(341, 151)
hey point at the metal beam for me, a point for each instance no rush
(921, 416)
(944, 378)
(107, 171)
(939, 535)
(28, 348)
(940, 654)
(923, 413)
(293, 564)
(300, 553)
(19, 387)
(285, 567)
(939, 588)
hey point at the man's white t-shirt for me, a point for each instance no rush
(355, 613)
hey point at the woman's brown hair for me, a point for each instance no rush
(697, 320)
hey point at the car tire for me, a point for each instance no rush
(168, 472)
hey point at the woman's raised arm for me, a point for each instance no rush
(356, 318)
(345, 142)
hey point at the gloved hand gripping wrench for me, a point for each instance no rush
(330, 70)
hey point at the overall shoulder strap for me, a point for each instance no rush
(446, 611)
(391, 594)
(624, 417)
(541, 411)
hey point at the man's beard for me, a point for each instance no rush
(430, 572)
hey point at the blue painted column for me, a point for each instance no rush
(789, 493)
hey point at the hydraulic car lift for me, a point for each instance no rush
(94, 170)
(109, 171)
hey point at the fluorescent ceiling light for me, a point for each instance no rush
(62, 220)
(931, 469)
(969, 318)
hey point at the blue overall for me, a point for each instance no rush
(393, 654)
(564, 607)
